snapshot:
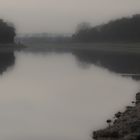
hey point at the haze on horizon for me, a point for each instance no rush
(62, 16)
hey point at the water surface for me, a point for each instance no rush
(53, 96)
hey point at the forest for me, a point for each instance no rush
(121, 30)
(7, 32)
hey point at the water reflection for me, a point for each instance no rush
(7, 59)
(120, 63)
(115, 57)
(51, 97)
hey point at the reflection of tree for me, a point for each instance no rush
(7, 59)
(120, 63)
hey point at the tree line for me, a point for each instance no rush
(120, 30)
(7, 32)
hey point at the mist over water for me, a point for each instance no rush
(52, 96)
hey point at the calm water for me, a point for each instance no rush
(53, 96)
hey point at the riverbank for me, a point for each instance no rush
(121, 48)
(124, 126)
(11, 47)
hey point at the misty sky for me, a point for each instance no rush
(62, 16)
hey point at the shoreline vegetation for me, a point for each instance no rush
(116, 33)
(11, 47)
(132, 48)
(124, 126)
(7, 37)
(126, 29)
(7, 32)
(123, 30)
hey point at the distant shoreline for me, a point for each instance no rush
(11, 47)
(99, 47)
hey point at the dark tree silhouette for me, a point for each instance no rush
(120, 30)
(7, 32)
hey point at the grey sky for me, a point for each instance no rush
(62, 16)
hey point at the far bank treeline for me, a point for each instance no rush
(120, 30)
(125, 29)
(7, 32)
